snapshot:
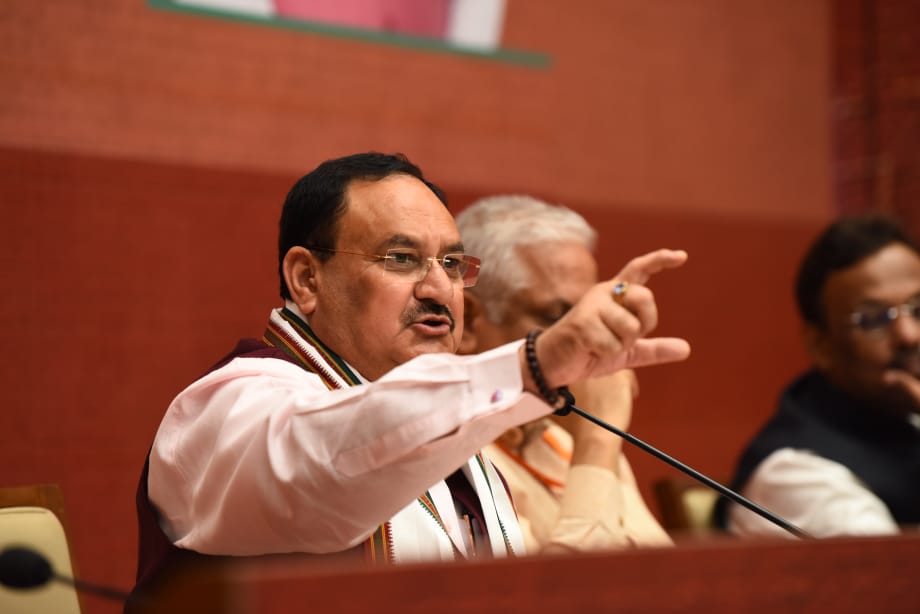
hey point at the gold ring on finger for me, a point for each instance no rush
(619, 292)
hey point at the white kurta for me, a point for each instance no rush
(260, 457)
(818, 495)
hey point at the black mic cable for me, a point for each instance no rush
(24, 568)
(693, 473)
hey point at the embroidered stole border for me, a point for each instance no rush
(311, 354)
(548, 482)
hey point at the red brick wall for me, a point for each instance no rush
(876, 94)
(719, 106)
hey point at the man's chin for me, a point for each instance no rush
(434, 345)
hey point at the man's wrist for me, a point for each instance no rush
(528, 384)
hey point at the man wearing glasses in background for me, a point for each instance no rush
(351, 426)
(842, 454)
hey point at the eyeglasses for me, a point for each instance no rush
(878, 319)
(410, 264)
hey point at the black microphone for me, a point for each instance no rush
(24, 568)
(693, 473)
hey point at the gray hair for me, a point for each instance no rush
(495, 227)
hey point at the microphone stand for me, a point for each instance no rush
(24, 568)
(92, 589)
(693, 473)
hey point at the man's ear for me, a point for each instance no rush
(817, 344)
(472, 320)
(300, 267)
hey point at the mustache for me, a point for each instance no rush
(428, 307)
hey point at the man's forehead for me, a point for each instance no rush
(397, 189)
(397, 211)
(890, 274)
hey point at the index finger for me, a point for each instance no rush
(656, 351)
(639, 269)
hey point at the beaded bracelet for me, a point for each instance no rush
(552, 397)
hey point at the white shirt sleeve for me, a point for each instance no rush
(259, 457)
(818, 495)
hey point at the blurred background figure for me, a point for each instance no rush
(572, 487)
(842, 453)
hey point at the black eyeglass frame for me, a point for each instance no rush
(878, 320)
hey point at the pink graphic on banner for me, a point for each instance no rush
(416, 17)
